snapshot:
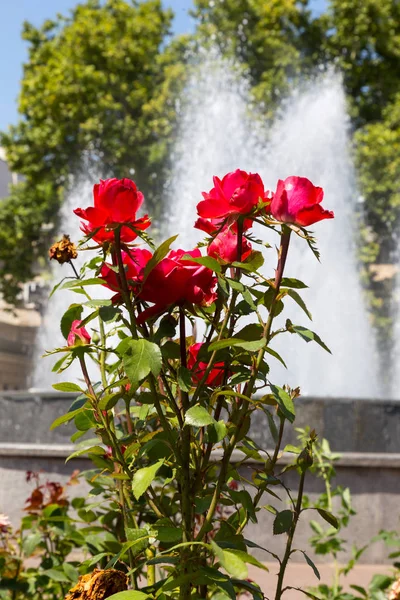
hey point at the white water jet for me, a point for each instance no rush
(310, 139)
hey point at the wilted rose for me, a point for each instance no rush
(298, 201)
(236, 194)
(63, 251)
(98, 585)
(116, 201)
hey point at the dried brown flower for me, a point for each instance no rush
(394, 592)
(63, 251)
(98, 585)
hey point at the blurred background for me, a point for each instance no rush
(117, 88)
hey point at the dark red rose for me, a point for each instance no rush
(135, 262)
(215, 376)
(236, 194)
(298, 201)
(78, 335)
(116, 201)
(174, 281)
(224, 246)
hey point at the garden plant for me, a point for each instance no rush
(183, 352)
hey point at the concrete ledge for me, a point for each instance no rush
(347, 459)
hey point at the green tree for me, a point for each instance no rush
(98, 88)
(274, 40)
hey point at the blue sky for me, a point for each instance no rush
(13, 50)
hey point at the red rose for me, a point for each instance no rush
(176, 281)
(224, 246)
(212, 226)
(236, 194)
(298, 201)
(134, 261)
(215, 376)
(115, 201)
(78, 335)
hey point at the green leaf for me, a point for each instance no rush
(160, 253)
(144, 477)
(276, 355)
(248, 558)
(66, 418)
(140, 536)
(251, 346)
(283, 522)
(293, 283)
(198, 416)
(166, 532)
(329, 517)
(101, 302)
(31, 542)
(98, 450)
(129, 595)
(108, 313)
(235, 285)
(66, 386)
(252, 263)
(184, 379)
(380, 582)
(56, 575)
(206, 261)
(78, 283)
(109, 401)
(312, 565)
(232, 563)
(284, 402)
(299, 300)
(71, 572)
(141, 358)
(272, 427)
(73, 313)
(307, 335)
(216, 432)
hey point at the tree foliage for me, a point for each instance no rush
(96, 91)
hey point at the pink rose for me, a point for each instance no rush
(298, 201)
(236, 194)
(224, 246)
(78, 335)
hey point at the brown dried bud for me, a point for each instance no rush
(98, 585)
(63, 251)
(394, 592)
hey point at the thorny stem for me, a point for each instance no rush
(74, 270)
(186, 495)
(289, 542)
(282, 255)
(123, 283)
(271, 466)
(127, 506)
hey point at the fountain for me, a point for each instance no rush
(309, 138)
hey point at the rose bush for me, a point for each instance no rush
(171, 396)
